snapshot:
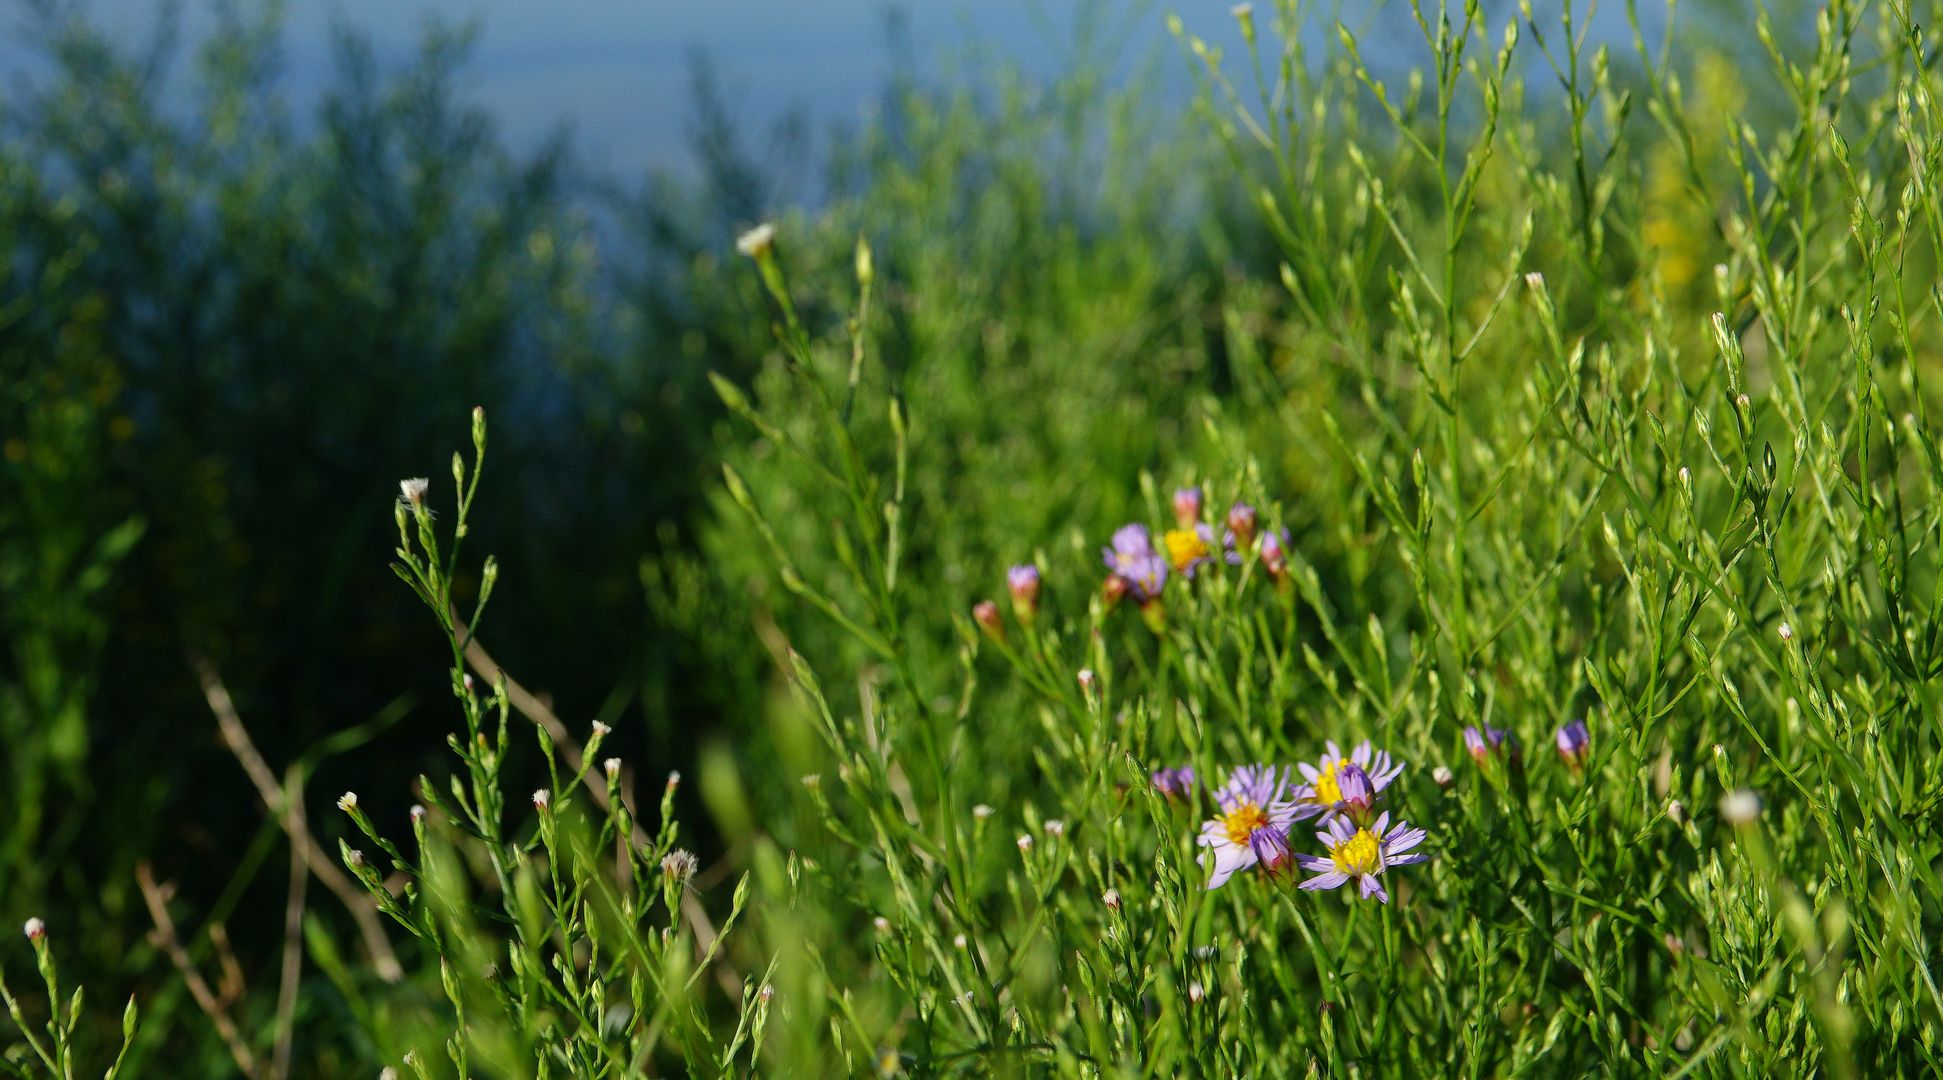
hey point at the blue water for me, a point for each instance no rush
(618, 72)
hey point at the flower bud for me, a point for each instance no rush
(1442, 776)
(542, 799)
(1113, 590)
(1574, 742)
(1023, 580)
(985, 614)
(1187, 506)
(612, 767)
(1275, 560)
(1241, 522)
(348, 801)
(1111, 898)
(35, 929)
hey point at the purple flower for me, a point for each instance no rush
(1485, 744)
(1134, 561)
(1329, 780)
(1574, 742)
(1253, 801)
(1274, 553)
(1361, 854)
(1174, 783)
(1023, 580)
(1187, 506)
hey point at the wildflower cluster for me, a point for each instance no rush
(1260, 805)
(1138, 569)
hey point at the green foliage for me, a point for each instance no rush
(1576, 363)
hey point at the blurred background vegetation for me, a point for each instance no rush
(230, 321)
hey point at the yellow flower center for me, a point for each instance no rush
(1328, 793)
(1357, 855)
(1183, 547)
(1243, 820)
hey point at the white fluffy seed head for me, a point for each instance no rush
(1677, 811)
(1195, 993)
(1442, 776)
(1111, 898)
(1787, 632)
(981, 811)
(348, 801)
(542, 799)
(418, 812)
(882, 924)
(674, 779)
(413, 490)
(34, 929)
(612, 767)
(1025, 842)
(601, 730)
(757, 241)
(680, 864)
(959, 941)
(1055, 827)
(1740, 808)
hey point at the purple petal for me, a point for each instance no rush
(1373, 887)
(1326, 881)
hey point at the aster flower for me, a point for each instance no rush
(1174, 783)
(1254, 801)
(1574, 743)
(1133, 560)
(1361, 854)
(1190, 548)
(1330, 781)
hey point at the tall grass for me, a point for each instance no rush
(1572, 372)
